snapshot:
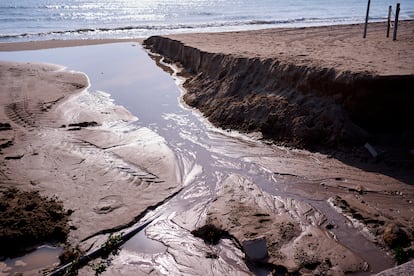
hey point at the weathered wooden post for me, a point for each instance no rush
(397, 12)
(389, 20)
(366, 20)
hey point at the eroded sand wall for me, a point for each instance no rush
(297, 104)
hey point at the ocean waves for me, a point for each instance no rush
(83, 19)
(145, 30)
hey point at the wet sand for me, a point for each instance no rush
(38, 45)
(80, 148)
(314, 88)
(44, 152)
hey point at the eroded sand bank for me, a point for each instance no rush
(305, 86)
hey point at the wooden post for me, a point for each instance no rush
(389, 20)
(397, 12)
(366, 20)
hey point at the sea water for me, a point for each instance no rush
(25, 20)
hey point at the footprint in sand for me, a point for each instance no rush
(108, 204)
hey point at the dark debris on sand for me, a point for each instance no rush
(27, 220)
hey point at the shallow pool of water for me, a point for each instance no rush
(43, 256)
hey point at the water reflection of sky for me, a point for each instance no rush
(38, 259)
(123, 69)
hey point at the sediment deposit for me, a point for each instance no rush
(65, 142)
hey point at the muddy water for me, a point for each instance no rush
(206, 155)
(42, 257)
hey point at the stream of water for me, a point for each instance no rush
(206, 155)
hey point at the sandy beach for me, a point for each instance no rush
(63, 141)
(338, 47)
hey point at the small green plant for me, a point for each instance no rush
(100, 267)
(73, 269)
(108, 249)
(111, 246)
(400, 255)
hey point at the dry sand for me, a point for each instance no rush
(338, 47)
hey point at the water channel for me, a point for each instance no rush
(206, 155)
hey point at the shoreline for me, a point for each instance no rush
(55, 43)
(48, 44)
